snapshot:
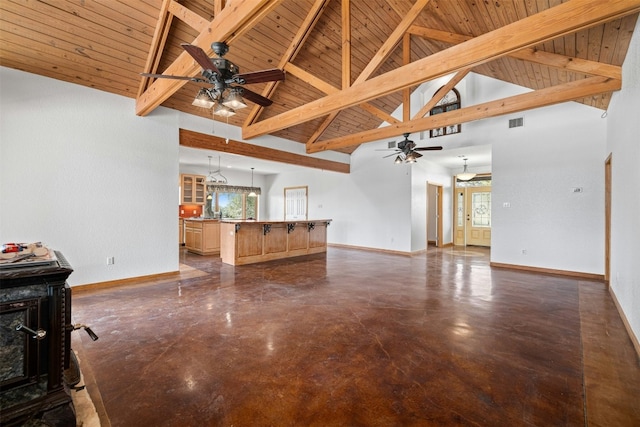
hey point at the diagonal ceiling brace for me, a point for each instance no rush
(383, 53)
(527, 101)
(551, 23)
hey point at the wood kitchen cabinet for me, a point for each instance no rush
(248, 242)
(193, 191)
(202, 236)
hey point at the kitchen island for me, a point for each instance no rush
(248, 242)
(202, 235)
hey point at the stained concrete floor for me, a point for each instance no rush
(357, 338)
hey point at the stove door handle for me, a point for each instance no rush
(39, 334)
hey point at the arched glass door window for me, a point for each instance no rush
(449, 102)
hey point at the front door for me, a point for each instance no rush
(478, 216)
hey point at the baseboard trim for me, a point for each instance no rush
(550, 271)
(121, 282)
(385, 251)
(625, 321)
(368, 249)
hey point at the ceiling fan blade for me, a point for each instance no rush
(166, 76)
(435, 148)
(392, 154)
(200, 56)
(271, 75)
(255, 97)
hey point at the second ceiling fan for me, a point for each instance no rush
(227, 83)
(407, 152)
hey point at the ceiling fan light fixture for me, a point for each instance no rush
(222, 110)
(411, 158)
(465, 175)
(203, 99)
(398, 160)
(234, 100)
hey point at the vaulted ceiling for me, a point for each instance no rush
(349, 64)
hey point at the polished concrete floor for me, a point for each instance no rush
(357, 338)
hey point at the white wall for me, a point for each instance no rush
(424, 171)
(623, 136)
(82, 173)
(534, 170)
(370, 207)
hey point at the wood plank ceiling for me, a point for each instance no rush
(349, 64)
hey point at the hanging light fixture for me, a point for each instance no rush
(211, 178)
(216, 176)
(203, 99)
(253, 193)
(398, 160)
(221, 178)
(234, 100)
(411, 157)
(465, 175)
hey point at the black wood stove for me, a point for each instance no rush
(35, 328)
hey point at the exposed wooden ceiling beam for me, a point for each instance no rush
(551, 23)
(346, 43)
(381, 55)
(310, 79)
(328, 88)
(387, 47)
(382, 115)
(561, 62)
(303, 32)
(157, 44)
(230, 23)
(535, 99)
(190, 18)
(441, 93)
(406, 92)
(211, 142)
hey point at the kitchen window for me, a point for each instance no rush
(231, 202)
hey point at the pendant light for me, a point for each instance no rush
(465, 175)
(253, 193)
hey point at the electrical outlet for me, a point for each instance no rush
(111, 260)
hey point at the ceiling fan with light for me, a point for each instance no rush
(407, 152)
(226, 92)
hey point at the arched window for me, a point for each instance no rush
(449, 102)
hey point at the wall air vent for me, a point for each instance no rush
(391, 144)
(516, 123)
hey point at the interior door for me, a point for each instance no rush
(478, 216)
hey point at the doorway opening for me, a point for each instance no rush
(472, 211)
(434, 215)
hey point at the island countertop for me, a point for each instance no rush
(250, 241)
(287, 221)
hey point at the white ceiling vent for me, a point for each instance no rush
(516, 123)
(391, 144)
